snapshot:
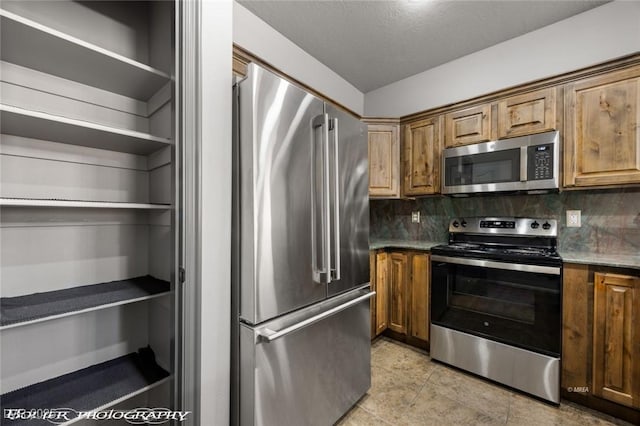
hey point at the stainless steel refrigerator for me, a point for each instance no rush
(301, 329)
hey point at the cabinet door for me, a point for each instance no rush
(616, 339)
(602, 139)
(384, 161)
(374, 287)
(382, 292)
(422, 147)
(526, 114)
(419, 306)
(398, 280)
(471, 125)
(577, 323)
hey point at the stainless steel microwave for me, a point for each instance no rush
(527, 163)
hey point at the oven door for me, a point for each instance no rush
(515, 304)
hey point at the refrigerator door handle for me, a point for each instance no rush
(335, 271)
(268, 335)
(320, 274)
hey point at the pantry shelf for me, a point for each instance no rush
(33, 45)
(39, 125)
(30, 202)
(93, 388)
(37, 307)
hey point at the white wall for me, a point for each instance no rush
(256, 36)
(214, 231)
(595, 36)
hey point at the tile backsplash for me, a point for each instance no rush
(610, 218)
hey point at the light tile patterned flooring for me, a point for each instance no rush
(408, 389)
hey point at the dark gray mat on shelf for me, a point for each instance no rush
(86, 389)
(41, 305)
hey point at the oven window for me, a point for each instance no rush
(513, 307)
(478, 169)
(503, 300)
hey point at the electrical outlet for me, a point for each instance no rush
(573, 218)
(415, 217)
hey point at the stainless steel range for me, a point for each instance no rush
(496, 302)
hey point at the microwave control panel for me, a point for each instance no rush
(540, 162)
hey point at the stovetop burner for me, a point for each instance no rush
(504, 239)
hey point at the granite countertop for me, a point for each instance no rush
(619, 260)
(614, 260)
(376, 243)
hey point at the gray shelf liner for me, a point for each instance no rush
(86, 389)
(41, 305)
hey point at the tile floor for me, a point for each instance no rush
(408, 389)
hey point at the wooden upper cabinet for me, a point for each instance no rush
(421, 157)
(526, 114)
(398, 282)
(602, 139)
(470, 125)
(616, 338)
(419, 307)
(384, 161)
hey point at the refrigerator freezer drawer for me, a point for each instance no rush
(306, 369)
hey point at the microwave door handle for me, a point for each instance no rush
(523, 164)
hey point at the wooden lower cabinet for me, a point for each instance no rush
(577, 323)
(381, 310)
(616, 338)
(398, 283)
(420, 294)
(601, 339)
(401, 279)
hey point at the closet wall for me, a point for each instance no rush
(87, 194)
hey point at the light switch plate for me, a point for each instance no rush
(573, 219)
(415, 217)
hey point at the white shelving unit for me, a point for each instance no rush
(87, 195)
(39, 125)
(83, 388)
(25, 310)
(36, 46)
(19, 202)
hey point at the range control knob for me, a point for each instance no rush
(535, 225)
(455, 224)
(463, 223)
(546, 226)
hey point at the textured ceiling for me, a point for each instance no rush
(375, 43)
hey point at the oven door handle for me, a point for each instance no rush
(549, 270)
